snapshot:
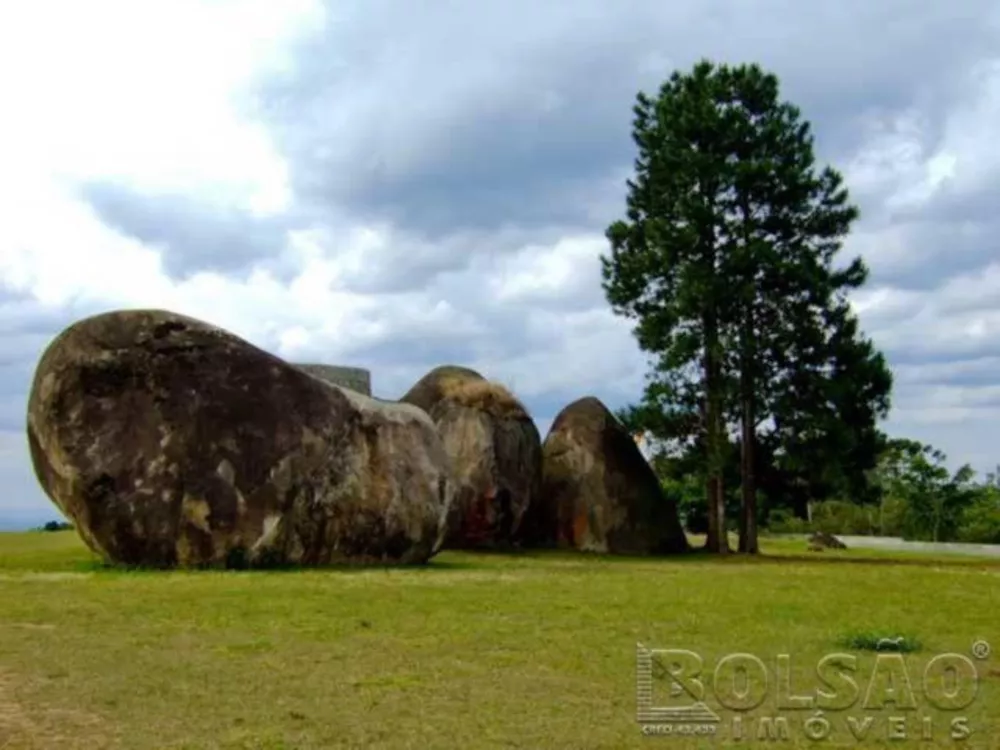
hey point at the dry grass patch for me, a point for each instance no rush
(26, 724)
(484, 395)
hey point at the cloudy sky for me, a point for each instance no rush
(397, 185)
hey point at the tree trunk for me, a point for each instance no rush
(717, 540)
(748, 479)
(748, 512)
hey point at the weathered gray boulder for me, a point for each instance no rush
(495, 453)
(170, 442)
(598, 492)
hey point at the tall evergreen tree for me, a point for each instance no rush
(725, 262)
(664, 265)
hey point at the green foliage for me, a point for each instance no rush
(981, 518)
(782, 521)
(682, 479)
(892, 516)
(829, 516)
(684, 485)
(826, 412)
(725, 262)
(920, 500)
(935, 501)
(691, 507)
(842, 517)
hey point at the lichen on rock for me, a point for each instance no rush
(171, 442)
(598, 492)
(495, 453)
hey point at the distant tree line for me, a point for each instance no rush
(56, 526)
(910, 493)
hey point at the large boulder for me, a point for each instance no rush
(170, 442)
(598, 492)
(495, 452)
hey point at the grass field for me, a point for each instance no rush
(472, 651)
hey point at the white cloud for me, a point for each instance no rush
(537, 274)
(159, 97)
(884, 302)
(149, 93)
(968, 154)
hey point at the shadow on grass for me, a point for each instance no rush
(458, 560)
(486, 559)
(272, 569)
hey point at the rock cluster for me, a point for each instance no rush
(169, 442)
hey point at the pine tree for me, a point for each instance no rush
(725, 260)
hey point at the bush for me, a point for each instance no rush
(781, 521)
(57, 526)
(840, 517)
(686, 493)
(830, 516)
(693, 513)
(981, 522)
(894, 517)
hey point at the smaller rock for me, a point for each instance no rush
(495, 452)
(823, 540)
(599, 493)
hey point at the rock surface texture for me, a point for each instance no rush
(495, 453)
(598, 492)
(170, 442)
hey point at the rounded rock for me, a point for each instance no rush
(598, 492)
(495, 452)
(171, 442)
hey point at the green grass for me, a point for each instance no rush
(472, 651)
